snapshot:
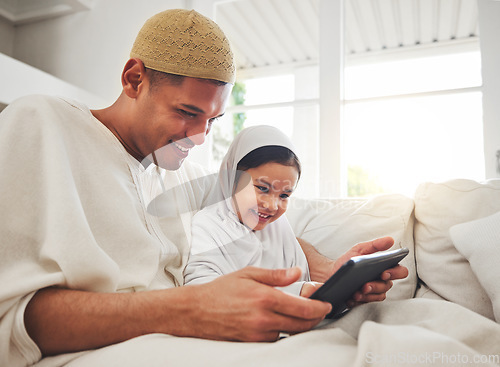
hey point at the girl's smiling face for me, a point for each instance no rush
(261, 195)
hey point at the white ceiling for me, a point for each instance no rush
(25, 11)
(270, 33)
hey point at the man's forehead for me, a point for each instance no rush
(204, 99)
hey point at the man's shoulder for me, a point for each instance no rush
(33, 101)
(42, 120)
(33, 108)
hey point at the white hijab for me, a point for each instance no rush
(221, 244)
(245, 142)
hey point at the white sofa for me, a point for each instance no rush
(415, 327)
(439, 269)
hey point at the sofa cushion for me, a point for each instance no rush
(335, 225)
(444, 272)
(479, 242)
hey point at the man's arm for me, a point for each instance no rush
(321, 268)
(241, 306)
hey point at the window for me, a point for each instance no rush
(412, 121)
(409, 108)
(259, 101)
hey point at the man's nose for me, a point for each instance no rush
(198, 133)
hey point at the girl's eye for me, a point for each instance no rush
(262, 188)
(284, 196)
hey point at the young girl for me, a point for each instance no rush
(247, 226)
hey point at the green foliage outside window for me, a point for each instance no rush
(361, 183)
(238, 98)
(222, 137)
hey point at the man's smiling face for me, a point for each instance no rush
(172, 118)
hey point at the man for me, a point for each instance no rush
(84, 265)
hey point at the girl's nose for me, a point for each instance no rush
(271, 203)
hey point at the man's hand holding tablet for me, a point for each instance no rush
(352, 275)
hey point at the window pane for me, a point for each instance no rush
(269, 90)
(222, 136)
(253, 92)
(281, 117)
(225, 129)
(394, 145)
(412, 76)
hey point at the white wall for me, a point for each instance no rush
(489, 27)
(331, 52)
(7, 33)
(306, 130)
(23, 79)
(90, 48)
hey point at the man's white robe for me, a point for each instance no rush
(73, 214)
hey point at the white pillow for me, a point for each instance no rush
(333, 226)
(479, 242)
(444, 272)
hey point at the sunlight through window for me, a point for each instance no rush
(413, 134)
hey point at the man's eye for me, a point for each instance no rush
(262, 188)
(187, 113)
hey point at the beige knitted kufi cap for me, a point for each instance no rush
(184, 42)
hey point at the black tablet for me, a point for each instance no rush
(352, 275)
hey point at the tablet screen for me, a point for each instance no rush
(352, 275)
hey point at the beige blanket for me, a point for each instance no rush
(391, 333)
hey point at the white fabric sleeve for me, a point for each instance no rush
(20, 350)
(69, 217)
(21, 340)
(205, 262)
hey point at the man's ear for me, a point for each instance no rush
(133, 76)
